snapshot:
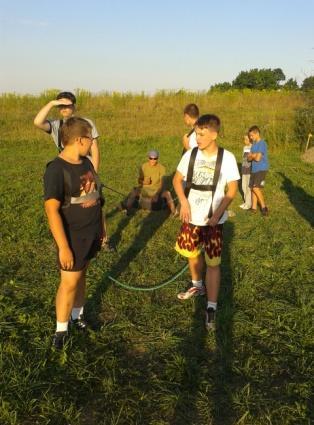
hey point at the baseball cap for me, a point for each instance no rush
(153, 154)
(67, 95)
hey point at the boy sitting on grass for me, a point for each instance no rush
(150, 193)
(204, 209)
(73, 207)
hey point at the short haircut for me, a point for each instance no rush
(67, 95)
(208, 121)
(75, 127)
(254, 129)
(192, 110)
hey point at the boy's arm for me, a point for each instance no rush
(140, 179)
(56, 226)
(261, 150)
(185, 210)
(226, 201)
(40, 121)
(95, 155)
(255, 156)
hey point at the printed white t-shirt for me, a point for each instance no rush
(203, 174)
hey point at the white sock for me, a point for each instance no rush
(197, 283)
(211, 304)
(62, 326)
(76, 312)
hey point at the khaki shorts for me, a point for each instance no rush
(193, 239)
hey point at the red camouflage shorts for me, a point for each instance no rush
(193, 239)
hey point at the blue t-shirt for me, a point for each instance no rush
(262, 165)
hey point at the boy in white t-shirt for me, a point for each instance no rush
(190, 116)
(202, 216)
(246, 174)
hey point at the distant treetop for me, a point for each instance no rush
(263, 79)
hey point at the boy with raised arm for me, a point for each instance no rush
(65, 102)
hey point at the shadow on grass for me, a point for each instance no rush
(149, 226)
(221, 397)
(208, 358)
(302, 201)
(193, 350)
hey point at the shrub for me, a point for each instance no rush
(304, 124)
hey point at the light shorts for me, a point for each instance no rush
(193, 239)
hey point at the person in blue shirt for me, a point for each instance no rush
(260, 166)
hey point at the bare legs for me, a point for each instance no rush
(71, 293)
(212, 279)
(257, 198)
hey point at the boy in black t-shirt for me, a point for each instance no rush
(73, 208)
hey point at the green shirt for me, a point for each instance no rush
(156, 174)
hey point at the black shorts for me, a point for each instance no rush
(83, 249)
(258, 179)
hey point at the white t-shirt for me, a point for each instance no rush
(55, 124)
(203, 174)
(192, 141)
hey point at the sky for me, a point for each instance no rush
(150, 45)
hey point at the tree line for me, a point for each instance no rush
(264, 79)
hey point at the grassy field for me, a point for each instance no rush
(147, 359)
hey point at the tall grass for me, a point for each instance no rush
(121, 117)
(146, 359)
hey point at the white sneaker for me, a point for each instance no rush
(242, 206)
(210, 319)
(246, 207)
(193, 291)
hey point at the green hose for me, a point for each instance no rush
(152, 288)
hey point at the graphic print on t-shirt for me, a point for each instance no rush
(203, 175)
(88, 186)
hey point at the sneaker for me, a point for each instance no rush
(210, 317)
(59, 339)
(252, 210)
(265, 211)
(193, 291)
(242, 206)
(79, 323)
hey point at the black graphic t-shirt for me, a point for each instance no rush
(75, 217)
